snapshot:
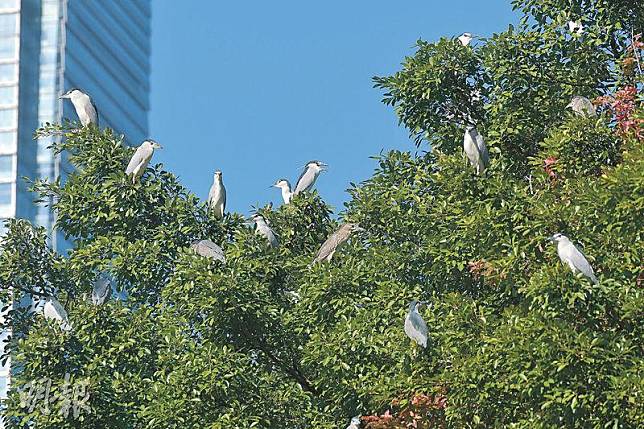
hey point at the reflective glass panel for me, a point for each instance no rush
(5, 194)
(9, 4)
(8, 48)
(8, 24)
(8, 72)
(8, 118)
(8, 95)
(6, 167)
(8, 142)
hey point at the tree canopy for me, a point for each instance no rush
(267, 339)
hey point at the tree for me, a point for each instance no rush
(268, 340)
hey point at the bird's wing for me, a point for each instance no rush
(212, 193)
(139, 156)
(327, 247)
(480, 144)
(211, 250)
(272, 238)
(579, 261)
(92, 112)
(471, 148)
(305, 181)
(58, 308)
(223, 198)
(418, 323)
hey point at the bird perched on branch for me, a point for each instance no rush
(262, 228)
(476, 150)
(217, 195)
(582, 106)
(208, 249)
(308, 177)
(101, 290)
(83, 105)
(415, 326)
(335, 241)
(140, 159)
(53, 310)
(285, 186)
(571, 256)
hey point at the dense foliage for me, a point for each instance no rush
(269, 340)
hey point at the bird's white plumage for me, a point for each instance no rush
(140, 160)
(285, 187)
(217, 196)
(465, 39)
(415, 326)
(308, 177)
(84, 106)
(262, 228)
(101, 290)
(582, 106)
(475, 150)
(53, 310)
(571, 256)
(208, 249)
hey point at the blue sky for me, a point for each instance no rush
(256, 89)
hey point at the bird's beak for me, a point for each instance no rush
(550, 238)
(158, 146)
(360, 229)
(324, 167)
(569, 106)
(63, 96)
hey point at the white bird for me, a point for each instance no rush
(308, 177)
(139, 161)
(84, 106)
(355, 423)
(582, 106)
(285, 186)
(571, 256)
(262, 228)
(53, 310)
(217, 195)
(335, 240)
(576, 27)
(465, 38)
(208, 249)
(101, 290)
(415, 326)
(476, 150)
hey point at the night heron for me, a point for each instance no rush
(208, 249)
(84, 106)
(53, 310)
(465, 38)
(217, 195)
(476, 150)
(140, 159)
(582, 106)
(335, 241)
(576, 27)
(262, 228)
(355, 423)
(571, 256)
(308, 177)
(285, 186)
(415, 326)
(101, 290)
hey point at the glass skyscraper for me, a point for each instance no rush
(47, 47)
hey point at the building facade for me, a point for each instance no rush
(47, 47)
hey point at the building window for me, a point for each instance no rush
(6, 167)
(8, 24)
(8, 95)
(6, 194)
(9, 4)
(8, 72)
(8, 118)
(9, 48)
(7, 142)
